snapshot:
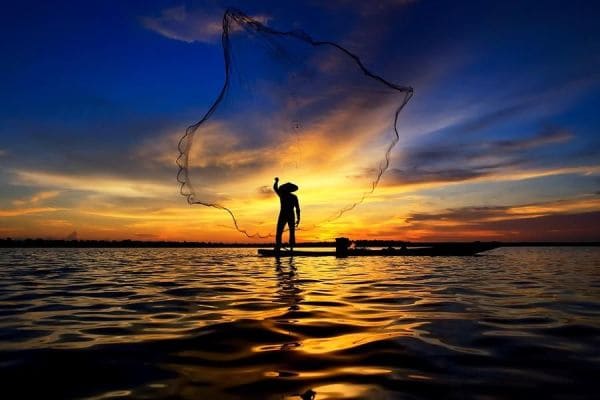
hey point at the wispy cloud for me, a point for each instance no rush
(104, 185)
(543, 138)
(481, 214)
(17, 212)
(198, 25)
(407, 181)
(463, 161)
(37, 198)
(31, 205)
(567, 219)
(178, 24)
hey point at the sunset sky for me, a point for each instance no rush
(499, 142)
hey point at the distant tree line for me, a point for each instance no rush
(21, 243)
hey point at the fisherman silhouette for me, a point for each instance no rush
(289, 202)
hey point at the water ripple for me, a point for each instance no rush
(211, 323)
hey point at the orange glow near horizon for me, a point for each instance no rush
(387, 214)
(114, 208)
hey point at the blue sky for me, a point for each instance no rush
(504, 114)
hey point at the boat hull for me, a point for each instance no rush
(442, 250)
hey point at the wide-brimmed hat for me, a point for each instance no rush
(288, 187)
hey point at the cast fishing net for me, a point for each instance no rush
(304, 110)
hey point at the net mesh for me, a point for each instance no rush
(307, 111)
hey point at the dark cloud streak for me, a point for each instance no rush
(463, 161)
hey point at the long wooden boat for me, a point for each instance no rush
(440, 250)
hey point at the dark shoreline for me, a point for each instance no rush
(47, 243)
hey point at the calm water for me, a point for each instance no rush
(225, 324)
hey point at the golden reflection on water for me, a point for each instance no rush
(328, 345)
(344, 391)
(226, 322)
(331, 372)
(375, 327)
